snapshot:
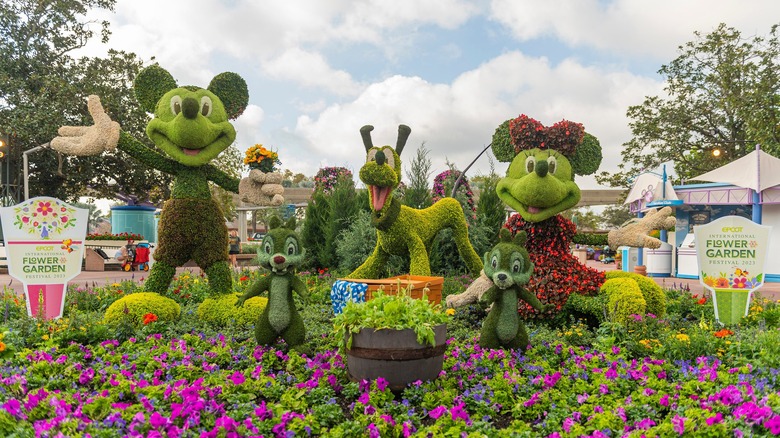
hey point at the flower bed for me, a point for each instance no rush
(673, 377)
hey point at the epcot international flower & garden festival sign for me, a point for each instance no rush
(732, 254)
(44, 241)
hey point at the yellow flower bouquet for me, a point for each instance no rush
(258, 157)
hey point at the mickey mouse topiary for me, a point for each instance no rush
(191, 127)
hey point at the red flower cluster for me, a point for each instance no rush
(528, 133)
(723, 333)
(702, 300)
(557, 273)
(149, 318)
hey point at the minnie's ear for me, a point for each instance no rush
(150, 86)
(502, 145)
(232, 91)
(587, 157)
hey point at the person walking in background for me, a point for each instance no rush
(234, 247)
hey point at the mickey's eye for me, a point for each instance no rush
(530, 164)
(371, 155)
(552, 165)
(205, 106)
(176, 105)
(494, 262)
(389, 158)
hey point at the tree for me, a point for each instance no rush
(94, 216)
(722, 91)
(584, 218)
(417, 193)
(490, 209)
(44, 87)
(616, 215)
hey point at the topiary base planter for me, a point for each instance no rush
(396, 356)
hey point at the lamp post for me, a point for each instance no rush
(25, 166)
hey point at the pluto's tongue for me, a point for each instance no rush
(533, 210)
(191, 151)
(379, 195)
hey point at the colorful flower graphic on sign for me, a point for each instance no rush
(739, 279)
(46, 217)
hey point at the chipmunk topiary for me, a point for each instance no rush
(191, 127)
(280, 253)
(510, 269)
(404, 230)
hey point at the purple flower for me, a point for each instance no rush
(718, 418)
(157, 420)
(664, 401)
(568, 422)
(582, 398)
(773, 424)
(13, 407)
(237, 378)
(381, 383)
(458, 412)
(678, 424)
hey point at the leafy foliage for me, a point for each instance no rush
(394, 312)
(417, 193)
(721, 91)
(44, 87)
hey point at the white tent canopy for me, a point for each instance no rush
(756, 170)
(650, 187)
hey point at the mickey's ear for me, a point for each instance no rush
(504, 235)
(274, 223)
(150, 86)
(502, 145)
(520, 238)
(587, 157)
(232, 91)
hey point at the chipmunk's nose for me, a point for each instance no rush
(380, 158)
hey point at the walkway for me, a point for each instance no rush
(91, 279)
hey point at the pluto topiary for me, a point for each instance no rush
(401, 229)
(221, 311)
(624, 298)
(139, 304)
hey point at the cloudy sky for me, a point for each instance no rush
(452, 70)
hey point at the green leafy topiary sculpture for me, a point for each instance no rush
(191, 127)
(509, 268)
(280, 253)
(624, 298)
(139, 304)
(401, 229)
(655, 298)
(221, 311)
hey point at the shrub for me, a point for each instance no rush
(222, 311)
(140, 304)
(357, 242)
(655, 298)
(624, 298)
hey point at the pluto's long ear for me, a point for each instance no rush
(403, 135)
(365, 132)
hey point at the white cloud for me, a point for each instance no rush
(311, 70)
(630, 27)
(457, 120)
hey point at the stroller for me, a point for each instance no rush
(608, 255)
(137, 256)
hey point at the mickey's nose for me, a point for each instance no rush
(541, 168)
(190, 107)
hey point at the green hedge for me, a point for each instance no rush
(592, 239)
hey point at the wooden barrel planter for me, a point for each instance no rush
(396, 356)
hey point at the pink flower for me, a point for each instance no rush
(437, 412)
(678, 423)
(237, 378)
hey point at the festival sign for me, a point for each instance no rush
(44, 245)
(731, 253)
